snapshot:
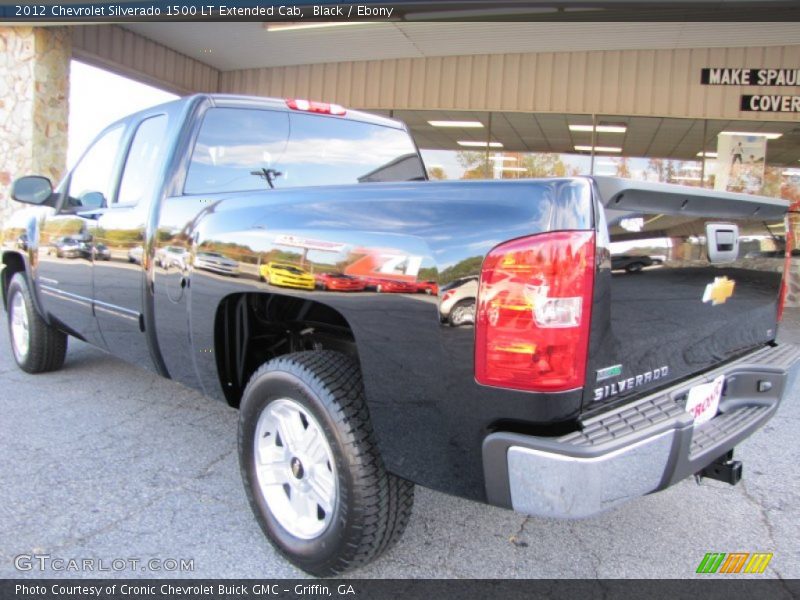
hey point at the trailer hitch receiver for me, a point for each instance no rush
(723, 469)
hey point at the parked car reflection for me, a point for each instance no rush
(101, 251)
(339, 282)
(633, 263)
(172, 257)
(67, 247)
(215, 262)
(457, 306)
(135, 255)
(286, 276)
(428, 287)
(389, 286)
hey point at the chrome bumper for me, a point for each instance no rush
(637, 448)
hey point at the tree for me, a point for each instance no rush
(468, 266)
(474, 164)
(623, 168)
(542, 165)
(663, 170)
(437, 173)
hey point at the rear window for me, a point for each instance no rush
(246, 149)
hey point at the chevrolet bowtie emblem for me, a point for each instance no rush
(719, 291)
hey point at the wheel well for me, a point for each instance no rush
(252, 328)
(13, 263)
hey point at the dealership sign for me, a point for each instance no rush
(763, 77)
(777, 77)
(768, 103)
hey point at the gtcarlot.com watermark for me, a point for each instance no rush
(46, 562)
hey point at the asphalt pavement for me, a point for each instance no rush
(107, 462)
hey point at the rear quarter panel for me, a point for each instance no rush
(429, 415)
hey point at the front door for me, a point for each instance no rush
(64, 270)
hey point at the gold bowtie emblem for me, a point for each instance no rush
(719, 291)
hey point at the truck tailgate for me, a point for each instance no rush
(689, 279)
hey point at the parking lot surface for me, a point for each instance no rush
(105, 461)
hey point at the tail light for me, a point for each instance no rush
(448, 294)
(534, 309)
(787, 266)
(322, 108)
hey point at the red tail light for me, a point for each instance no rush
(322, 108)
(787, 266)
(534, 309)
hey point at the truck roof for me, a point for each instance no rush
(279, 104)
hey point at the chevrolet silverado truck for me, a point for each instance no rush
(571, 390)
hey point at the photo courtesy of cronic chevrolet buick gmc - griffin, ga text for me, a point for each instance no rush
(377, 330)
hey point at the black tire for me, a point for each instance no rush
(372, 506)
(455, 318)
(47, 346)
(635, 267)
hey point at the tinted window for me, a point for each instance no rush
(94, 172)
(232, 145)
(240, 149)
(142, 164)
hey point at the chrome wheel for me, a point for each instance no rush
(295, 468)
(463, 314)
(20, 334)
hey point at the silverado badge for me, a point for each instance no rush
(719, 291)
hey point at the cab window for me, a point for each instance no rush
(94, 173)
(251, 149)
(141, 166)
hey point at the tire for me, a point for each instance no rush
(37, 347)
(635, 267)
(368, 509)
(463, 313)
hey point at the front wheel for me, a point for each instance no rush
(312, 471)
(37, 347)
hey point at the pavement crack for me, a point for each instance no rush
(516, 538)
(764, 519)
(208, 469)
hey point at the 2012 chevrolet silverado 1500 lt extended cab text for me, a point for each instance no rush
(567, 385)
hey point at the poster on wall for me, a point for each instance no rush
(740, 163)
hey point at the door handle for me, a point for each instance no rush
(722, 241)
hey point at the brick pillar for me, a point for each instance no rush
(34, 92)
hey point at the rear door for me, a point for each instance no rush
(690, 279)
(119, 284)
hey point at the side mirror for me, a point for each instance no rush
(92, 201)
(32, 189)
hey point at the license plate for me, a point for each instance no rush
(703, 400)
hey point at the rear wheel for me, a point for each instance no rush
(37, 347)
(311, 468)
(463, 313)
(634, 267)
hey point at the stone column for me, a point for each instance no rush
(34, 92)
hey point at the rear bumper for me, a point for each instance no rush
(638, 448)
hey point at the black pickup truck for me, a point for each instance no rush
(287, 257)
